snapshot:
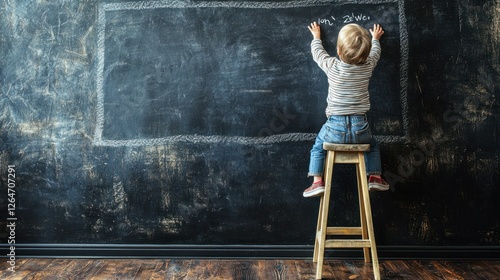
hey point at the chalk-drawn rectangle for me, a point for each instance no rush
(233, 71)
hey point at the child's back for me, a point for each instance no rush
(349, 76)
(348, 99)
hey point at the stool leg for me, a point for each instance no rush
(369, 220)
(321, 234)
(362, 215)
(318, 229)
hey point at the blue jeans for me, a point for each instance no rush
(345, 130)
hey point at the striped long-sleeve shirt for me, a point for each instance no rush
(348, 84)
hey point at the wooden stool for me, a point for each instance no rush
(352, 154)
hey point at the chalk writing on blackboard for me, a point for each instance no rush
(218, 80)
(348, 18)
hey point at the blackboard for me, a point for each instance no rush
(190, 123)
(234, 71)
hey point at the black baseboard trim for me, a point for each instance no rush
(44, 250)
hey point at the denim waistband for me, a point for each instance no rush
(352, 118)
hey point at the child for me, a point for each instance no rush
(348, 100)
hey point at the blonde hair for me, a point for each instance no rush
(354, 44)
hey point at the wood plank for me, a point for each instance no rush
(397, 270)
(178, 269)
(54, 267)
(34, 268)
(72, 269)
(20, 270)
(118, 268)
(347, 270)
(280, 270)
(425, 270)
(436, 270)
(483, 271)
(443, 270)
(92, 269)
(306, 269)
(329, 271)
(491, 266)
(147, 268)
(127, 268)
(246, 269)
(290, 269)
(359, 270)
(286, 269)
(466, 270)
(160, 270)
(210, 269)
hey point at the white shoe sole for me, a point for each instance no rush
(378, 188)
(317, 192)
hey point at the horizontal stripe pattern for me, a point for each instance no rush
(347, 84)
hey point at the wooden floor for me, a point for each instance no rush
(243, 269)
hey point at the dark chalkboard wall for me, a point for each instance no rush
(190, 122)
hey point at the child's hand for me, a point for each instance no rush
(377, 31)
(315, 30)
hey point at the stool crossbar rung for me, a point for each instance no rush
(344, 231)
(343, 243)
(350, 154)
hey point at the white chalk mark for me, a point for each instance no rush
(242, 140)
(257, 90)
(403, 68)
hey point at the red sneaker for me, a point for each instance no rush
(377, 184)
(316, 189)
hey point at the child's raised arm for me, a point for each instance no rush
(320, 56)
